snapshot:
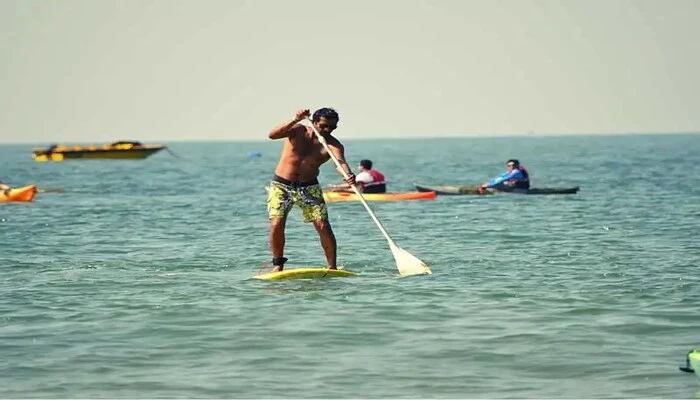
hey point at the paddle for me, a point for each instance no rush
(50, 190)
(406, 263)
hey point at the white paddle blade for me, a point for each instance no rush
(408, 264)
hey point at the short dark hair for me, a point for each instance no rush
(366, 164)
(326, 112)
(515, 162)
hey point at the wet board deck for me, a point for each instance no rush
(305, 273)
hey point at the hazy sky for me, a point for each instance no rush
(102, 70)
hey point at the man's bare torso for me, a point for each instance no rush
(302, 156)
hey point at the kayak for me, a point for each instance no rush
(474, 190)
(25, 193)
(396, 196)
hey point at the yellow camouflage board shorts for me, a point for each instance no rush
(281, 198)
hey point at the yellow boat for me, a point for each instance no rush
(117, 150)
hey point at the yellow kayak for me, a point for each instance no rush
(25, 193)
(396, 196)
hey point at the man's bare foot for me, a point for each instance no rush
(278, 263)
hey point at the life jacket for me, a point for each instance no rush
(379, 184)
(522, 183)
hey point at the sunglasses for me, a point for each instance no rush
(327, 126)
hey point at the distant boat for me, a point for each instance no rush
(24, 193)
(474, 190)
(117, 150)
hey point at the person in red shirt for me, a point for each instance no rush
(368, 180)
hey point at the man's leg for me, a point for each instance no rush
(277, 239)
(279, 203)
(314, 209)
(330, 247)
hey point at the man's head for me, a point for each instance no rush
(325, 120)
(512, 164)
(365, 165)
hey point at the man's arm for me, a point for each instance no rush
(339, 152)
(290, 128)
(286, 129)
(361, 179)
(515, 174)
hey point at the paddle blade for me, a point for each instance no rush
(408, 264)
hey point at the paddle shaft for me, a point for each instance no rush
(345, 175)
(50, 190)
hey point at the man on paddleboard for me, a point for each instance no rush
(296, 180)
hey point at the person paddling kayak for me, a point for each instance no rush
(5, 188)
(515, 177)
(368, 180)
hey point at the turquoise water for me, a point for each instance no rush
(135, 282)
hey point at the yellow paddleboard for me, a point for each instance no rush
(305, 273)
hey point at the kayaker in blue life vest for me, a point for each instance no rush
(515, 177)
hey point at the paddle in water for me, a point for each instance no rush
(406, 263)
(50, 190)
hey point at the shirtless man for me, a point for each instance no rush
(296, 180)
